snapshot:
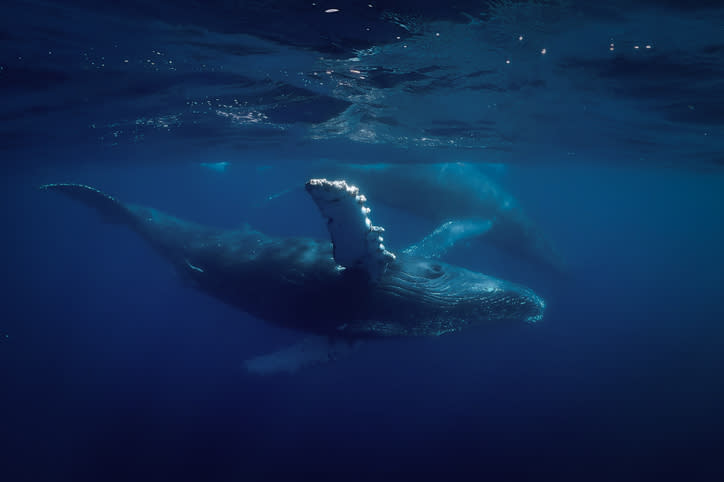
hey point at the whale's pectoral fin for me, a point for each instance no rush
(357, 243)
(311, 351)
(109, 208)
(437, 243)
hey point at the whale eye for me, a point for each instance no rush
(425, 269)
(434, 271)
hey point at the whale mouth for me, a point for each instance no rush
(540, 305)
(508, 301)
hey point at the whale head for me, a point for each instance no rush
(419, 296)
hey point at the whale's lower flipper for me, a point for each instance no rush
(357, 243)
(109, 208)
(312, 350)
(437, 243)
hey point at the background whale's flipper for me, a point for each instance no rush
(311, 351)
(357, 243)
(107, 206)
(437, 243)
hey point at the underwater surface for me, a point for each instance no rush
(594, 130)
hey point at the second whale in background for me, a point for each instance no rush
(460, 198)
(458, 192)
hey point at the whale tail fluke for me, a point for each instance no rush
(107, 206)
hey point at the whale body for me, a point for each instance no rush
(299, 282)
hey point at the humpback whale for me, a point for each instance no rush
(460, 193)
(349, 289)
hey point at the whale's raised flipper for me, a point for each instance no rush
(107, 206)
(357, 243)
(437, 243)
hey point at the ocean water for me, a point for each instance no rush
(604, 122)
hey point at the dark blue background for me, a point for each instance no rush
(117, 370)
(111, 368)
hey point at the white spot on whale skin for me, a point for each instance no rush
(193, 267)
(216, 166)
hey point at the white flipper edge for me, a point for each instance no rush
(437, 243)
(312, 350)
(357, 243)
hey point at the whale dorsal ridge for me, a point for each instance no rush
(107, 206)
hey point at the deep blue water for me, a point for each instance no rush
(114, 368)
